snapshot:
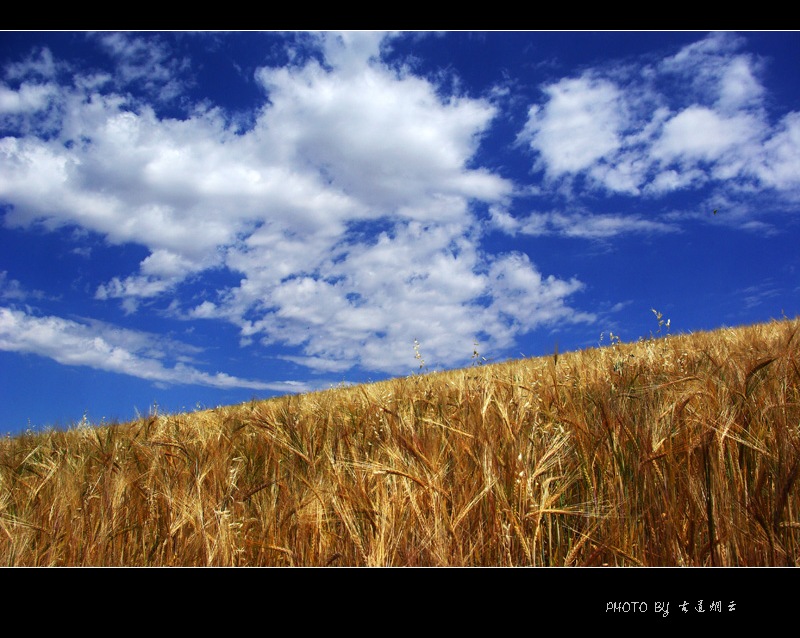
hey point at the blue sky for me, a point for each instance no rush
(199, 219)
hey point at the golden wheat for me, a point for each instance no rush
(683, 450)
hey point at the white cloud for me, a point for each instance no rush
(138, 286)
(579, 124)
(754, 296)
(780, 161)
(583, 225)
(739, 86)
(713, 73)
(701, 134)
(385, 140)
(671, 180)
(145, 60)
(695, 118)
(501, 219)
(28, 98)
(102, 347)
(39, 65)
(351, 51)
(366, 307)
(319, 364)
(11, 289)
(523, 295)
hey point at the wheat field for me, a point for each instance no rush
(681, 450)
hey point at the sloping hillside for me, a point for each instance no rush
(666, 452)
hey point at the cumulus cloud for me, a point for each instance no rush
(386, 140)
(28, 98)
(520, 292)
(700, 134)
(780, 157)
(714, 72)
(694, 118)
(346, 212)
(579, 124)
(418, 281)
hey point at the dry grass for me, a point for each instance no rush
(677, 451)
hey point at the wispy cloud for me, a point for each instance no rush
(754, 296)
(144, 61)
(584, 224)
(112, 349)
(13, 290)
